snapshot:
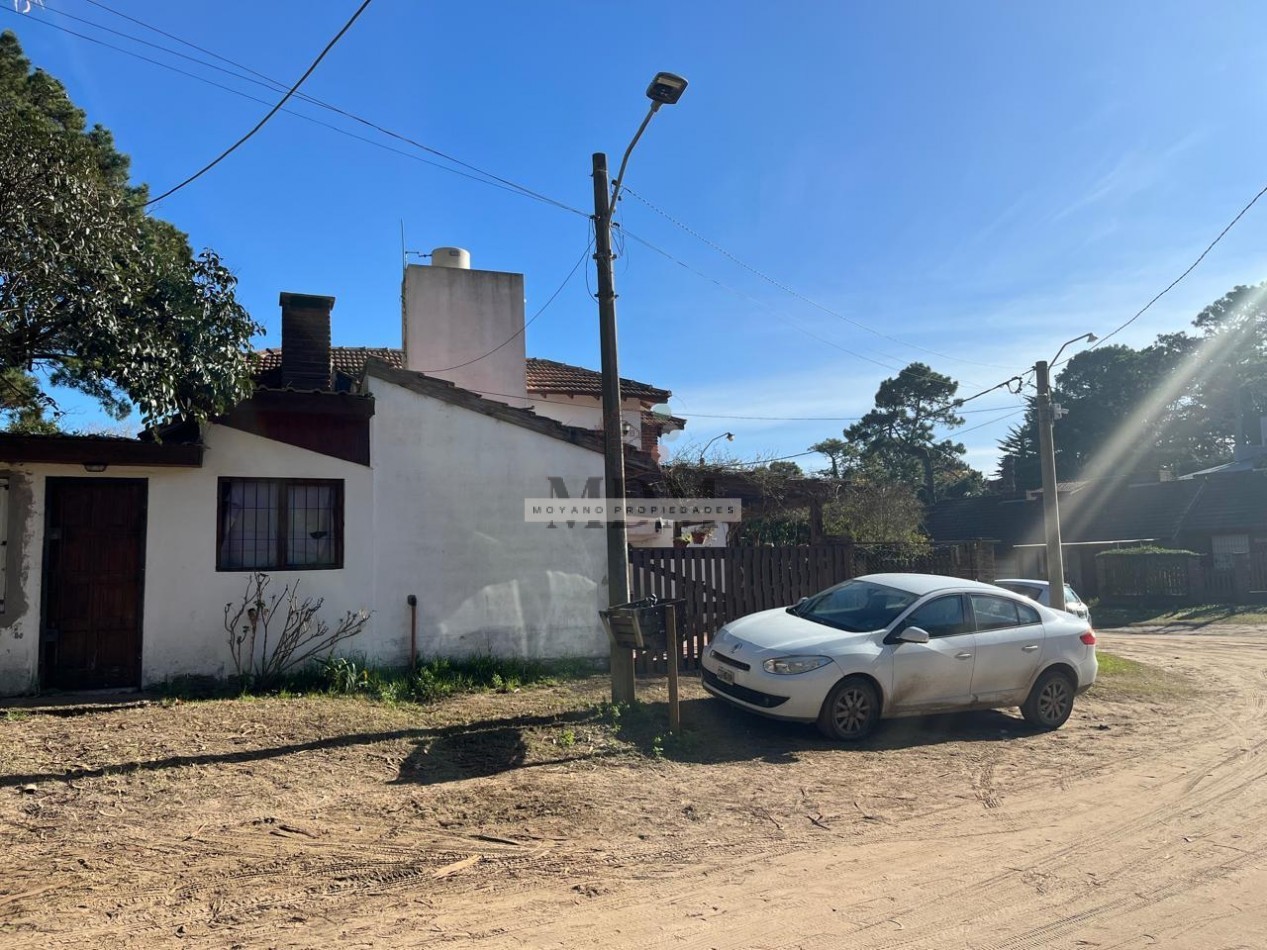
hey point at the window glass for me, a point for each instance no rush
(1070, 596)
(994, 612)
(271, 523)
(1027, 614)
(856, 605)
(941, 617)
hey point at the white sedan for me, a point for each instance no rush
(889, 645)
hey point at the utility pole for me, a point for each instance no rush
(622, 663)
(1046, 414)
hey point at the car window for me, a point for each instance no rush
(995, 612)
(942, 617)
(1028, 614)
(1071, 596)
(1025, 590)
(856, 606)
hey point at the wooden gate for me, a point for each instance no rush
(94, 562)
(720, 584)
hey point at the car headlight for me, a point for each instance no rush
(795, 664)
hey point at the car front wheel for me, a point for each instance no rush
(1050, 701)
(851, 710)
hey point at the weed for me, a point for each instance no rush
(567, 738)
(16, 715)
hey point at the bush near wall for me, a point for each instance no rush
(1128, 575)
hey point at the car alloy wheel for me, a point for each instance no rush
(850, 711)
(1050, 701)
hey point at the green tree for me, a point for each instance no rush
(900, 432)
(95, 294)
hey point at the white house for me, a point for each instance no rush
(350, 472)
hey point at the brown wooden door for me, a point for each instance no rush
(94, 565)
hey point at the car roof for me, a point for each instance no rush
(921, 584)
(1021, 580)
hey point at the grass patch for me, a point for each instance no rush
(1106, 616)
(429, 682)
(1121, 680)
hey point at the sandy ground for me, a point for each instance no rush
(541, 820)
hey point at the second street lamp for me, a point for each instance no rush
(665, 89)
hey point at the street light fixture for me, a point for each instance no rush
(728, 436)
(1046, 416)
(665, 89)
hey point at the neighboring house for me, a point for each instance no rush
(363, 480)
(1221, 513)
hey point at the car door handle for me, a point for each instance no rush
(963, 656)
(1030, 647)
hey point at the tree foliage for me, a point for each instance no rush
(95, 294)
(1183, 402)
(900, 433)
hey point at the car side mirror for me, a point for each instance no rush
(913, 635)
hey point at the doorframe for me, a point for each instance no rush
(50, 481)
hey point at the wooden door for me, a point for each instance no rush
(94, 565)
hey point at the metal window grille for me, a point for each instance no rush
(273, 523)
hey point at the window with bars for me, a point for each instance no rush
(280, 523)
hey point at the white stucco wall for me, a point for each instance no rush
(449, 527)
(439, 515)
(183, 607)
(586, 412)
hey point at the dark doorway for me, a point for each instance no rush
(94, 566)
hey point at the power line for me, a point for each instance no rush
(271, 112)
(788, 290)
(518, 333)
(705, 415)
(512, 189)
(385, 147)
(266, 80)
(1191, 267)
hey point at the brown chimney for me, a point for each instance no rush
(306, 341)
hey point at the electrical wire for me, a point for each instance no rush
(271, 112)
(266, 80)
(788, 290)
(520, 332)
(514, 190)
(706, 415)
(1191, 267)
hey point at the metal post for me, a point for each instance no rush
(622, 662)
(674, 657)
(1051, 504)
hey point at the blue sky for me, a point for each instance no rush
(974, 182)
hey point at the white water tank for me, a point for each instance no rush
(458, 257)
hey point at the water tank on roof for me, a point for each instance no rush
(451, 257)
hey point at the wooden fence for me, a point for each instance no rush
(1182, 578)
(717, 585)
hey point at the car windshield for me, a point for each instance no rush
(855, 606)
(1071, 597)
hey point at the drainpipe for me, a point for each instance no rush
(412, 600)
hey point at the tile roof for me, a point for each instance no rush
(550, 376)
(541, 376)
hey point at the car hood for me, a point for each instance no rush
(778, 631)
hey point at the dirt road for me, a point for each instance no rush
(1141, 824)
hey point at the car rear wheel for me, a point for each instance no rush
(851, 710)
(1050, 701)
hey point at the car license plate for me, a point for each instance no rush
(726, 675)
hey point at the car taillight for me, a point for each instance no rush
(1088, 638)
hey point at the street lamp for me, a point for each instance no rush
(1046, 416)
(728, 436)
(665, 89)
